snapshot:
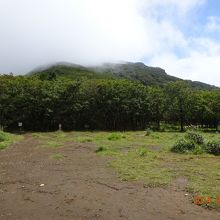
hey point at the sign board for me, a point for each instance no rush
(19, 124)
(60, 127)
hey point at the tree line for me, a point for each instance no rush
(103, 104)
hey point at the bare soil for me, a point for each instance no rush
(82, 187)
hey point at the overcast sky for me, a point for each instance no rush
(180, 36)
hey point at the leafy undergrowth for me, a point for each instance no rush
(6, 139)
(194, 142)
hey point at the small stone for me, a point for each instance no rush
(41, 185)
(186, 194)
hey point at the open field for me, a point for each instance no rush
(106, 175)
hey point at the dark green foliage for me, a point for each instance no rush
(194, 142)
(115, 137)
(183, 146)
(100, 149)
(72, 72)
(149, 76)
(2, 136)
(199, 149)
(213, 147)
(179, 102)
(148, 132)
(80, 98)
(195, 137)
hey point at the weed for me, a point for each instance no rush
(57, 156)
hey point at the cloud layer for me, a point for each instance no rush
(159, 33)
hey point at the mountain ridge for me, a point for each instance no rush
(138, 71)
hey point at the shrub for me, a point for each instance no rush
(183, 146)
(213, 147)
(100, 149)
(142, 152)
(199, 149)
(148, 132)
(115, 137)
(4, 140)
(2, 136)
(195, 137)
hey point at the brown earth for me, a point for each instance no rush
(81, 187)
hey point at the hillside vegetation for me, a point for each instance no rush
(103, 104)
(139, 72)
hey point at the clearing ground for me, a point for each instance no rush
(44, 178)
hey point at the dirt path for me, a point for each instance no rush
(80, 187)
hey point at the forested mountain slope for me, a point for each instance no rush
(132, 71)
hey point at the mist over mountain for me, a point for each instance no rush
(132, 71)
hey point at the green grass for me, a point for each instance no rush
(6, 139)
(141, 164)
(51, 139)
(57, 156)
(137, 157)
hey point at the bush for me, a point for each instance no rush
(199, 149)
(183, 146)
(142, 152)
(115, 137)
(2, 136)
(148, 132)
(213, 147)
(195, 137)
(5, 139)
(100, 149)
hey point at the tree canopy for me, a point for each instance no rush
(42, 103)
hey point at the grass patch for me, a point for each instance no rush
(6, 139)
(57, 156)
(115, 136)
(51, 144)
(84, 139)
(202, 172)
(137, 157)
(134, 160)
(52, 139)
(141, 164)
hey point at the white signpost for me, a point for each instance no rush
(20, 124)
(60, 127)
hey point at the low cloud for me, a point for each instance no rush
(91, 32)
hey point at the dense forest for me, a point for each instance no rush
(90, 100)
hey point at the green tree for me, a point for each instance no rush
(178, 102)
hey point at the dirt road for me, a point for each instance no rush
(81, 187)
